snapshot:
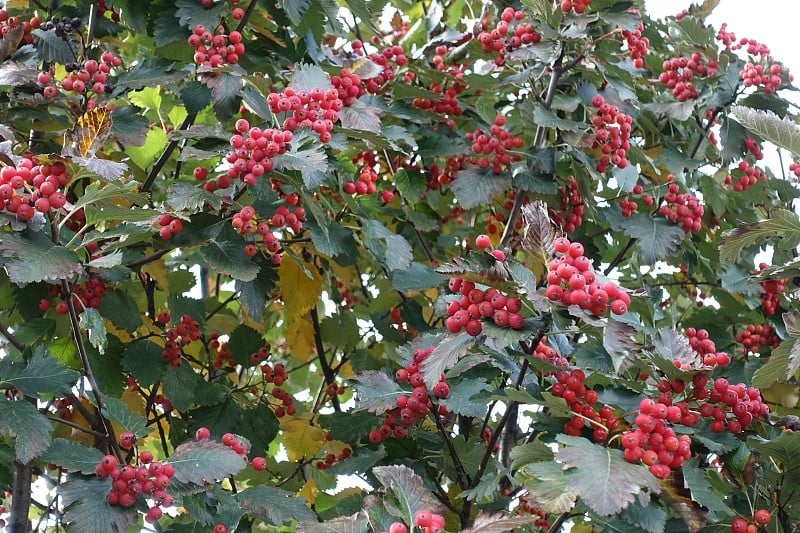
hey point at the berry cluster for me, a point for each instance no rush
(653, 442)
(483, 243)
(317, 109)
(102, 9)
(8, 23)
(429, 522)
(637, 45)
(754, 148)
(177, 337)
(252, 151)
(683, 209)
(150, 479)
(705, 348)
(215, 50)
(613, 129)
(89, 75)
(447, 105)
(629, 206)
(414, 406)
(582, 401)
(491, 150)
(722, 399)
(794, 168)
(475, 304)
(525, 507)
(62, 27)
(754, 338)
(221, 352)
(504, 37)
(678, 72)
(29, 187)
(169, 226)
(572, 281)
(766, 74)
(389, 58)
(748, 175)
(546, 353)
(579, 6)
(85, 294)
(367, 178)
(570, 213)
(761, 518)
(772, 288)
(348, 85)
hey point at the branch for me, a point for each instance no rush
(15, 342)
(330, 377)
(463, 478)
(618, 258)
(148, 258)
(21, 497)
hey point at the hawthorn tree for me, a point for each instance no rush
(383, 265)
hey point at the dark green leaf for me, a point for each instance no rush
(185, 197)
(181, 384)
(390, 248)
(52, 48)
(30, 427)
(785, 449)
(128, 126)
(41, 374)
(243, 342)
(191, 13)
(416, 277)
(408, 491)
(225, 90)
(306, 156)
(118, 307)
(446, 354)
(410, 184)
(696, 481)
(307, 77)
(143, 361)
(376, 392)
(204, 461)
(149, 72)
(118, 412)
(195, 96)
(655, 237)
(274, 505)
(462, 399)
(545, 118)
(228, 257)
(88, 510)
(30, 256)
(73, 456)
(475, 186)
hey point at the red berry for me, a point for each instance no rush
(259, 464)
(202, 433)
(762, 517)
(483, 242)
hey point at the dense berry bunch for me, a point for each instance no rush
(86, 294)
(754, 148)
(410, 407)
(251, 155)
(570, 213)
(754, 338)
(220, 351)
(91, 75)
(246, 223)
(767, 75)
(579, 6)
(8, 23)
(772, 288)
(761, 518)
(653, 442)
(349, 86)
(446, 105)
(612, 131)
(491, 149)
(317, 109)
(572, 281)
(546, 353)
(177, 337)
(29, 187)
(683, 209)
(629, 205)
(748, 175)
(582, 402)
(678, 72)
(637, 45)
(705, 348)
(429, 522)
(332, 458)
(729, 407)
(149, 479)
(476, 305)
(390, 57)
(215, 50)
(169, 226)
(366, 183)
(275, 374)
(508, 35)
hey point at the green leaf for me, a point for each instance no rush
(603, 479)
(274, 505)
(376, 392)
(191, 13)
(195, 96)
(785, 449)
(244, 341)
(145, 155)
(736, 279)
(118, 412)
(149, 72)
(307, 77)
(408, 491)
(30, 427)
(531, 452)
(88, 510)
(306, 156)
(41, 374)
(460, 400)
(475, 186)
(30, 256)
(143, 361)
(410, 184)
(549, 487)
(656, 238)
(226, 89)
(783, 132)
(73, 456)
(547, 119)
(696, 481)
(362, 117)
(204, 461)
(128, 126)
(651, 518)
(228, 257)
(185, 197)
(390, 248)
(181, 384)
(52, 48)
(356, 523)
(783, 223)
(118, 307)
(416, 277)
(446, 354)
(329, 237)
(92, 322)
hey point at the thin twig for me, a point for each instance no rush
(463, 478)
(148, 258)
(15, 342)
(330, 377)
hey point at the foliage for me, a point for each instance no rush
(508, 268)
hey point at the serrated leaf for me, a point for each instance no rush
(651, 518)
(307, 77)
(329, 237)
(416, 277)
(618, 342)
(181, 384)
(446, 354)
(783, 223)
(73, 456)
(143, 361)
(244, 341)
(410, 184)
(656, 238)
(776, 369)
(408, 489)
(186, 197)
(301, 438)
(149, 72)
(357, 523)
(30, 427)
(498, 522)
(672, 346)
(204, 461)
(783, 132)
(195, 96)
(92, 322)
(274, 505)
(118, 412)
(547, 119)
(694, 479)
(460, 400)
(31, 257)
(362, 117)
(228, 257)
(390, 248)
(226, 89)
(88, 510)
(603, 479)
(300, 284)
(190, 13)
(736, 279)
(791, 320)
(307, 157)
(785, 449)
(52, 48)
(548, 489)
(530, 452)
(118, 307)
(475, 186)
(376, 392)
(41, 374)
(538, 231)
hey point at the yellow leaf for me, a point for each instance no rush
(346, 371)
(300, 285)
(158, 271)
(309, 491)
(301, 439)
(785, 394)
(300, 338)
(89, 132)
